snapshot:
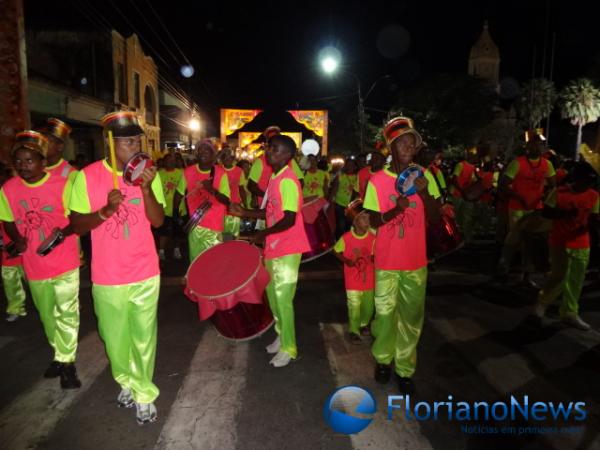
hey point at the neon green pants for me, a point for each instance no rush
(232, 225)
(201, 239)
(465, 217)
(515, 240)
(399, 312)
(127, 325)
(12, 279)
(568, 274)
(360, 309)
(280, 292)
(57, 301)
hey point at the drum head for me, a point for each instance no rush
(212, 273)
(132, 173)
(405, 183)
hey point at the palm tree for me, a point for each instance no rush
(580, 101)
(536, 102)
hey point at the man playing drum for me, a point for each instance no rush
(203, 182)
(285, 241)
(125, 271)
(237, 181)
(32, 206)
(400, 257)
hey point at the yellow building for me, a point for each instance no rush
(136, 86)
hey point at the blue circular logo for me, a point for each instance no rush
(341, 409)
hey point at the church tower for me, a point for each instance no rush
(484, 59)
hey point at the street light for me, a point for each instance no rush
(330, 59)
(194, 124)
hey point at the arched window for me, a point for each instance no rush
(150, 105)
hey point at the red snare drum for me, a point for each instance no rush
(318, 228)
(444, 237)
(228, 281)
(132, 172)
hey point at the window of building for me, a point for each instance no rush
(121, 83)
(150, 105)
(136, 89)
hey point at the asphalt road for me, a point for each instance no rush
(479, 344)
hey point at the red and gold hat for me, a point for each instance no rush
(122, 124)
(530, 134)
(271, 131)
(58, 129)
(31, 140)
(399, 126)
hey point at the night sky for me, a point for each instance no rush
(264, 54)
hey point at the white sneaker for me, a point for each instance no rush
(281, 359)
(274, 346)
(145, 413)
(539, 310)
(176, 253)
(161, 254)
(573, 320)
(125, 399)
(12, 317)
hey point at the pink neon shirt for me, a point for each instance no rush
(400, 243)
(359, 249)
(123, 249)
(36, 209)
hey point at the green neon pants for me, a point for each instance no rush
(201, 239)
(280, 292)
(12, 279)
(568, 274)
(232, 225)
(465, 217)
(127, 325)
(399, 312)
(360, 309)
(57, 301)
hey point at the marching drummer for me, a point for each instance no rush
(400, 257)
(355, 250)
(462, 178)
(260, 171)
(125, 270)
(33, 207)
(205, 181)
(570, 207)
(523, 183)
(237, 181)
(285, 241)
(170, 176)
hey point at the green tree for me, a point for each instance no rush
(536, 102)
(449, 109)
(580, 103)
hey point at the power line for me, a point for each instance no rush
(166, 30)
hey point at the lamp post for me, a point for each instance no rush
(330, 60)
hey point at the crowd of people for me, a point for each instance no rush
(381, 235)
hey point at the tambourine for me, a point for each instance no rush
(51, 242)
(132, 172)
(354, 208)
(405, 183)
(197, 216)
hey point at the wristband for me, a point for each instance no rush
(101, 215)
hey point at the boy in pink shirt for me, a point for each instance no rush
(57, 133)
(125, 271)
(237, 181)
(400, 257)
(355, 250)
(285, 241)
(33, 206)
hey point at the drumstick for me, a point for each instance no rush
(113, 159)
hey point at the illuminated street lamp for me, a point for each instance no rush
(194, 124)
(330, 59)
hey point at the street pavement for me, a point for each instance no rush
(479, 343)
